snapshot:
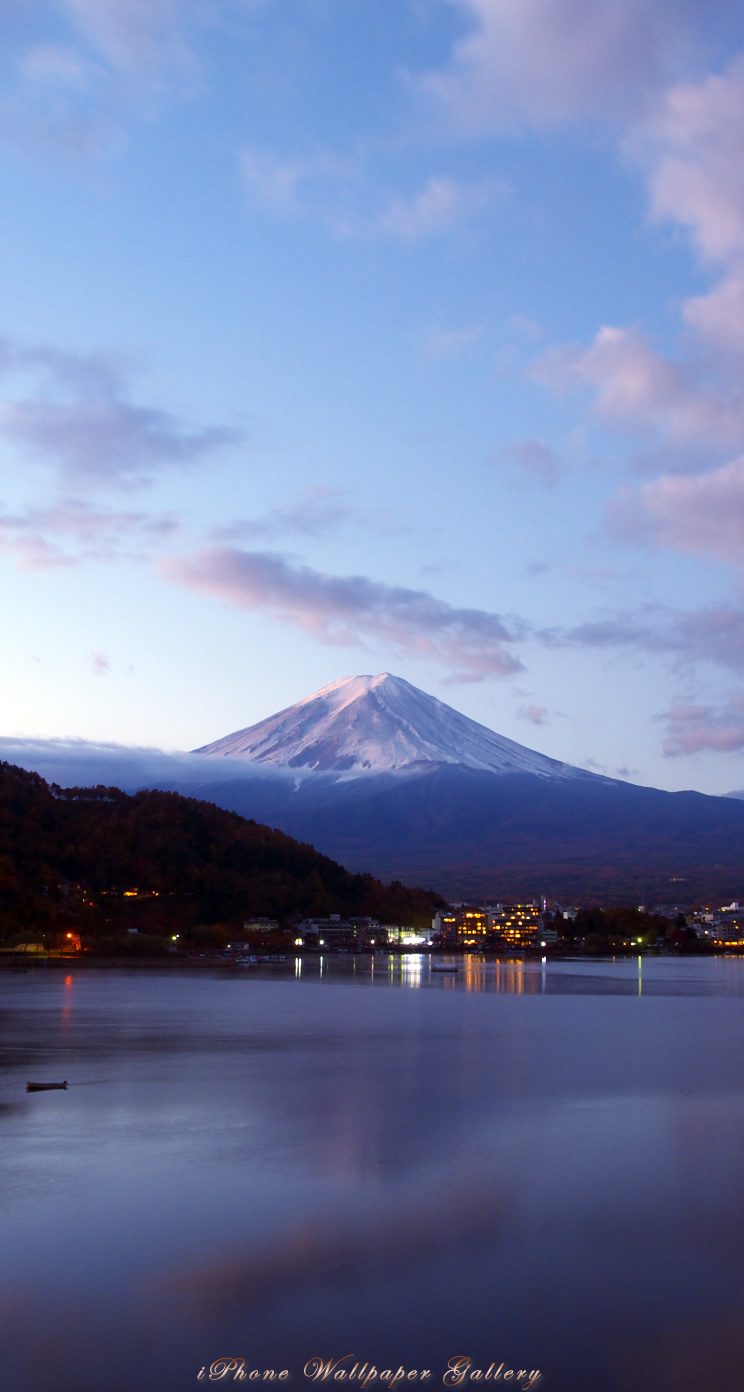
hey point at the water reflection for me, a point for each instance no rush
(519, 1160)
(473, 972)
(412, 968)
(340, 1247)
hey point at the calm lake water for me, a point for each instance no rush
(535, 1165)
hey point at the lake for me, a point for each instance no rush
(536, 1166)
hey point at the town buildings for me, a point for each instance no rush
(493, 925)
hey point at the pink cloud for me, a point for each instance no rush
(536, 715)
(132, 34)
(296, 185)
(640, 391)
(100, 664)
(688, 145)
(686, 637)
(113, 440)
(333, 190)
(471, 644)
(315, 511)
(693, 151)
(700, 513)
(712, 635)
(68, 531)
(78, 413)
(548, 61)
(451, 343)
(694, 728)
(77, 72)
(440, 205)
(718, 317)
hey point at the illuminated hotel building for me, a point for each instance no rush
(515, 925)
(500, 925)
(462, 927)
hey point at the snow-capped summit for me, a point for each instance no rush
(380, 724)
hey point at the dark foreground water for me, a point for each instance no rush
(539, 1166)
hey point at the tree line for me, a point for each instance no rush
(78, 853)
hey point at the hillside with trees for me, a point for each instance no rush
(104, 861)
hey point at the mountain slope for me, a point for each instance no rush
(476, 835)
(384, 779)
(376, 724)
(205, 862)
(379, 774)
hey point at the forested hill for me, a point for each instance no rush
(193, 859)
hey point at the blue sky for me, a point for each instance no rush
(347, 336)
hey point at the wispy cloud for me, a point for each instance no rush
(75, 74)
(140, 35)
(710, 635)
(313, 512)
(683, 409)
(470, 644)
(67, 531)
(718, 317)
(535, 715)
(554, 61)
(112, 440)
(78, 413)
(439, 206)
(534, 461)
(100, 664)
(702, 514)
(687, 637)
(691, 729)
(452, 343)
(294, 186)
(342, 194)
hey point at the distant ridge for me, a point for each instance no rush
(380, 724)
(377, 773)
(386, 779)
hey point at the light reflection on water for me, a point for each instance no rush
(531, 976)
(533, 1161)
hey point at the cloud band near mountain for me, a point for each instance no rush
(471, 644)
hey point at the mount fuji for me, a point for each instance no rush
(380, 724)
(386, 778)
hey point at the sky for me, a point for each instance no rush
(350, 336)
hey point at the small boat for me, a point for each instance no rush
(45, 1087)
(444, 969)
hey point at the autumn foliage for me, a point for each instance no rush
(74, 852)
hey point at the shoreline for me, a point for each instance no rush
(14, 962)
